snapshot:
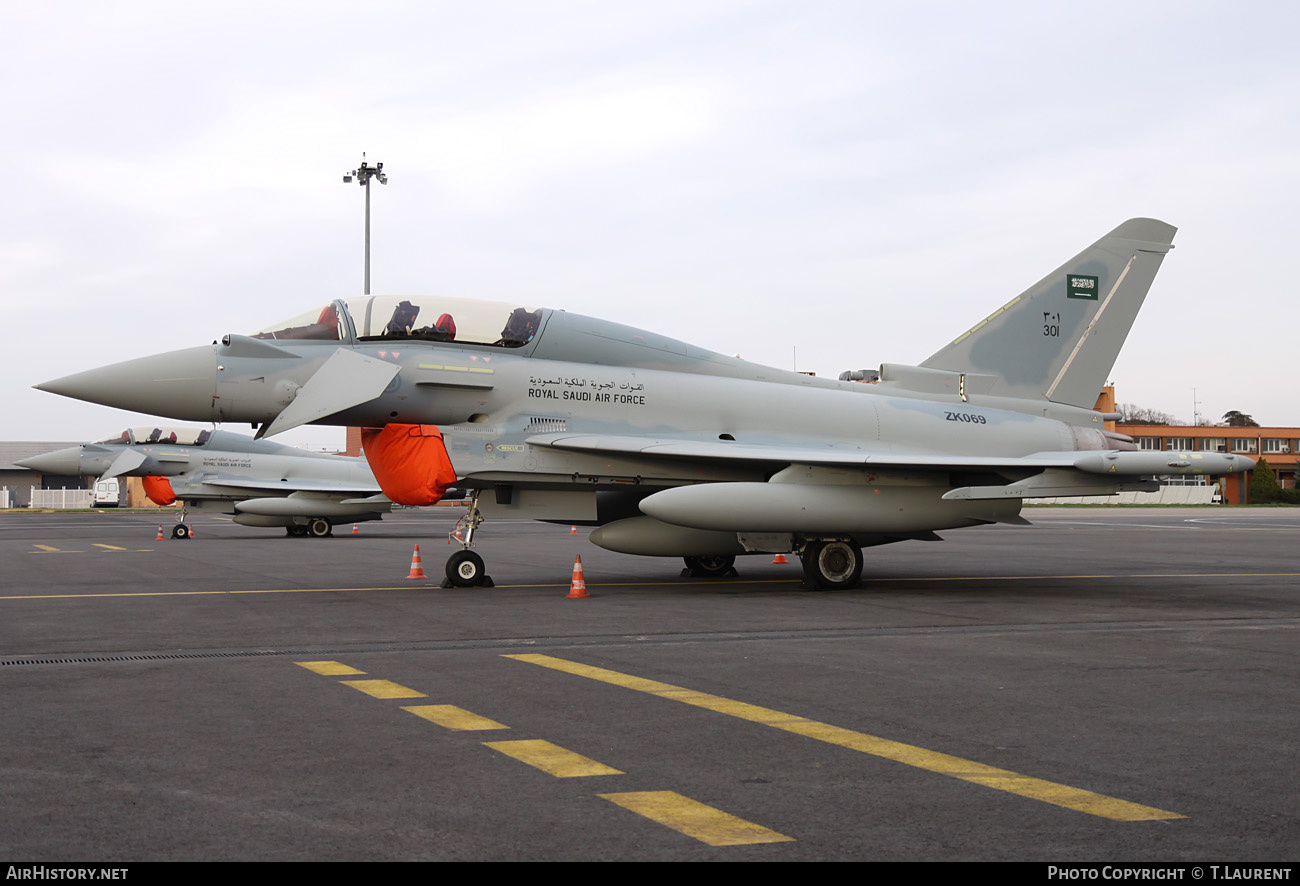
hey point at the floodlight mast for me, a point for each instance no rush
(363, 174)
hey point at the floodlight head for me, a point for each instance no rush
(346, 178)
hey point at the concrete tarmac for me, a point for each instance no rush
(1106, 685)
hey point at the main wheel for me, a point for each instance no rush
(320, 527)
(465, 569)
(709, 567)
(297, 530)
(180, 530)
(833, 564)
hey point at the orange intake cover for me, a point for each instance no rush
(159, 490)
(409, 461)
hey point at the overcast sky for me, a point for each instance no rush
(825, 185)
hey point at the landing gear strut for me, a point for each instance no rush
(181, 529)
(465, 569)
(832, 565)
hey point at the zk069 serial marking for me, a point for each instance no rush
(968, 417)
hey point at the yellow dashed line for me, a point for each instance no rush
(47, 549)
(694, 819)
(452, 717)
(552, 758)
(329, 668)
(682, 814)
(383, 689)
(932, 761)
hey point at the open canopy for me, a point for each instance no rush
(407, 318)
(181, 436)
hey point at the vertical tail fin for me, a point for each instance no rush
(1059, 339)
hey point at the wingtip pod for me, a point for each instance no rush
(1133, 464)
(1058, 339)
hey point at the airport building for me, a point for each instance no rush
(17, 484)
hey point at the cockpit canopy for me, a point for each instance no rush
(413, 318)
(179, 435)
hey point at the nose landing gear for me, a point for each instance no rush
(465, 569)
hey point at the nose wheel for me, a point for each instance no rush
(465, 569)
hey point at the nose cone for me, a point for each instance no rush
(178, 384)
(64, 462)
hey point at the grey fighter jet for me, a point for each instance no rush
(671, 450)
(260, 482)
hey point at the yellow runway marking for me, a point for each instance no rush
(48, 549)
(383, 689)
(329, 668)
(452, 717)
(694, 819)
(932, 761)
(551, 758)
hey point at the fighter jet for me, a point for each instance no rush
(260, 482)
(672, 450)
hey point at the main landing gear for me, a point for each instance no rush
(832, 565)
(709, 567)
(317, 527)
(465, 569)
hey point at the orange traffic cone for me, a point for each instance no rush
(573, 530)
(778, 559)
(417, 570)
(160, 535)
(577, 587)
(355, 530)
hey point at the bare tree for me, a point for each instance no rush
(1132, 414)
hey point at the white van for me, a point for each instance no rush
(108, 493)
